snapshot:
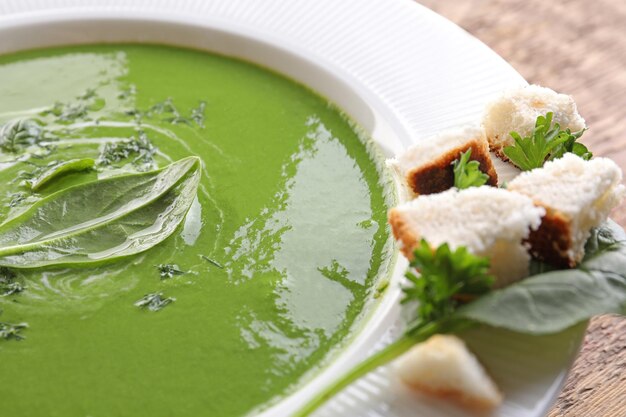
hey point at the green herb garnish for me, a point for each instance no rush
(8, 282)
(547, 142)
(197, 114)
(154, 301)
(12, 331)
(140, 148)
(19, 134)
(169, 270)
(212, 261)
(467, 173)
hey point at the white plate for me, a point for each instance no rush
(400, 71)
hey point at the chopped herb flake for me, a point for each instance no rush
(154, 301)
(19, 134)
(12, 331)
(212, 262)
(169, 270)
(8, 282)
(197, 114)
(140, 147)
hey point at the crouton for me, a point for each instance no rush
(577, 196)
(517, 111)
(488, 221)
(444, 367)
(426, 166)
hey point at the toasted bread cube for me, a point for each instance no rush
(577, 195)
(426, 166)
(517, 111)
(488, 221)
(444, 367)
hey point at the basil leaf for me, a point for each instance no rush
(101, 220)
(553, 301)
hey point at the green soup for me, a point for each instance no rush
(273, 265)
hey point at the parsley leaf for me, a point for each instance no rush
(467, 173)
(547, 142)
(447, 278)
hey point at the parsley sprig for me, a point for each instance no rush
(467, 173)
(547, 142)
(446, 279)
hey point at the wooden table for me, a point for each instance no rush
(577, 47)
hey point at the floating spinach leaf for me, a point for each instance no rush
(57, 170)
(101, 220)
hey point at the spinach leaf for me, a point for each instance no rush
(101, 220)
(553, 301)
(60, 169)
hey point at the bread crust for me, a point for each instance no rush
(552, 241)
(403, 232)
(438, 175)
(469, 402)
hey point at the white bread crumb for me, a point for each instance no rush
(434, 146)
(444, 367)
(580, 193)
(517, 111)
(489, 221)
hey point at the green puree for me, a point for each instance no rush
(280, 252)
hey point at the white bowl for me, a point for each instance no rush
(377, 105)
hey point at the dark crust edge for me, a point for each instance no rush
(552, 240)
(438, 175)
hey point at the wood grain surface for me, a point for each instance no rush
(576, 47)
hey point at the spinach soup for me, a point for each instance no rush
(183, 234)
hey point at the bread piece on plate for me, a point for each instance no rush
(444, 367)
(426, 166)
(517, 111)
(577, 195)
(488, 221)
